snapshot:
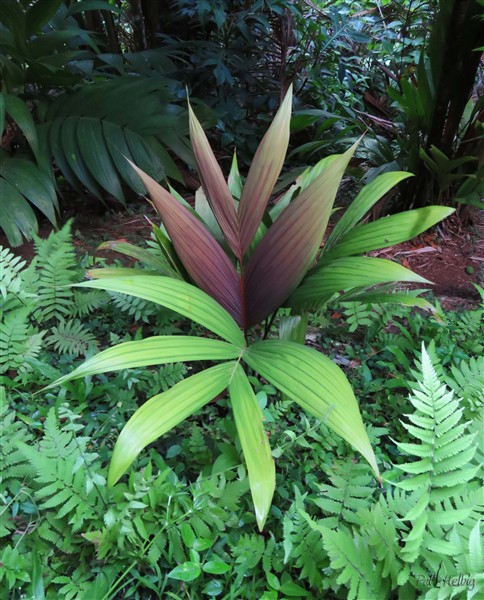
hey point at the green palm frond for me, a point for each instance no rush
(92, 133)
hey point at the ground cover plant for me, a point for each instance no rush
(182, 525)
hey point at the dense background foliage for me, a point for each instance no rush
(85, 84)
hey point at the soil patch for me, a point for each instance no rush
(450, 256)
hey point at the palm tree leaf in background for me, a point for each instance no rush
(70, 146)
(17, 217)
(120, 154)
(94, 150)
(31, 182)
(52, 140)
(144, 156)
(39, 14)
(86, 5)
(2, 113)
(20, 114)
(92, 132)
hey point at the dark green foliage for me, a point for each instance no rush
(181, 525)
(22, 184)
(65, 99)
(92, 132)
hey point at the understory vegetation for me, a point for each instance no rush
(181, 524)
(262, 401)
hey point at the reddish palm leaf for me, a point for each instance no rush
(214, 184)
(290, 246)
(263, 173)
(201, 255)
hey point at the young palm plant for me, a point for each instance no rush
(232, 271)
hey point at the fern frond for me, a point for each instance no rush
(358, 314)
(13, 568)
(163, 378)
(11, 293)
(10, 268)
(249, 550)
(33, 347)
(444, 467)
(57, 268)
(303, 544)
(15, 332)
(63, 478)
(349, 492)
(351, 556)
(382, 534)
(232, 493)
(197, 446)
(14, 468)
(467, 381)
(136, 307)
(87, 301)
(267, 559)
(72, 338)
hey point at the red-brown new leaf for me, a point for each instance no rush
(201, 255)
(289, 248)
(263, 173)
(214, 184)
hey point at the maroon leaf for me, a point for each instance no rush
(290, 246)
(214, 184)
(263, 173)
(201, 255)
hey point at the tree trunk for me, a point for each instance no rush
(454, 62)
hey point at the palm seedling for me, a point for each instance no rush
(230, 271)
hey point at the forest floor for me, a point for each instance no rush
(451, 255)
